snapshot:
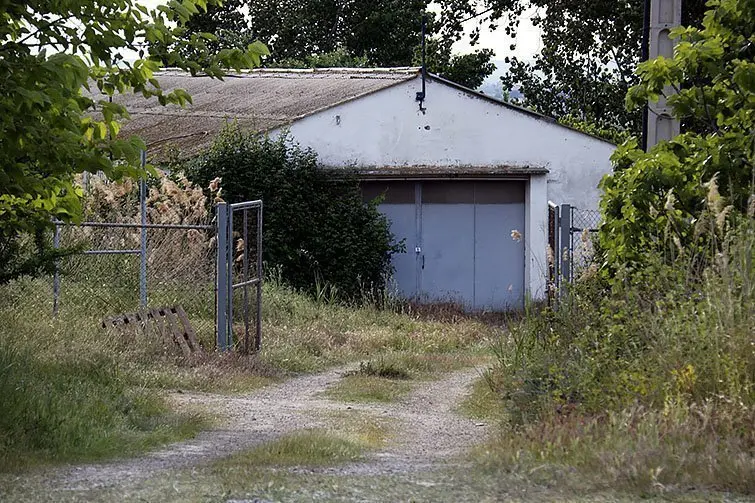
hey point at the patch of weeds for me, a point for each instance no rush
(384, 368)
(362, 427)
(213, 372)
(303, 335)
(483, 402)
(430, 365)
(366, 388)
(671, 452)
(77, 409)
(303, 448)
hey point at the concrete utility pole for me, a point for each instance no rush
(665, 15)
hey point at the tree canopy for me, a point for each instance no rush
(54, 58)
(685, 192)
(590, 50)
(377, 33)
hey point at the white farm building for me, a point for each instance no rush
(467, 178)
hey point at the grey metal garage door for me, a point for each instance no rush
(458, 240)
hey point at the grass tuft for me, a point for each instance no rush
(366, 389)
(380, 368)
(303, 448)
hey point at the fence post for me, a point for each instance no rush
(556, 246)
(143, 250)
(258, 335)
(221, 318)
(564, 257)
(56, 276)
(229, 279)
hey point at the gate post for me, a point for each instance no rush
(56, 276)
(221, 286)
(143, 247)
(564, 244)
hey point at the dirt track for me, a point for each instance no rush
(427, 432)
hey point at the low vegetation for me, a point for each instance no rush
(358, 388)
(646, 386)
(303, 448)
(65, 395)
(70, 390)
(305, 334)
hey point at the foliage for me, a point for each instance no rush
(658, 368)
(29, 255)
(51, 129)
(609, 134)
(589, 53)
(317, 230)
(339, 58)
(226, 24)
(66, 396)
(469, 70)
(315, 34)
(655, 201)
(654, 358)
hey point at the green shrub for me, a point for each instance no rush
(652, 342)
(656, 199)
(317, 230)
(648, 381)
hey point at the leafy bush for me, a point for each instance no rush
(644, 376)
(656, 198)
(316, 228)
(663, 352)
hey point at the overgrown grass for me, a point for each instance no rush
(361, 388)
(64, 396)
(648, 387)
(303, 448)
(483, 402)
(70, 390)
(390, 376)
(303, 334)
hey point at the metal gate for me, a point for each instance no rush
(239, 270)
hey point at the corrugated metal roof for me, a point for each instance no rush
(260, 100)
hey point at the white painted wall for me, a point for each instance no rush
(387, 129)
(536, 237)
(458, 128)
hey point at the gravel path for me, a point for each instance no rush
(428, 431)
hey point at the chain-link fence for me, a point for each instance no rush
(110, 272)
(152, 245)
(584, 229)
(571, 235)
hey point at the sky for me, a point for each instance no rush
(528, 41)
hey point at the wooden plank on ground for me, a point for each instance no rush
(175, 328)
(159, 323)
(189, 334)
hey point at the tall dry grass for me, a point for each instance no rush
(647, 387)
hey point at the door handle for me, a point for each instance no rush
(423, 261)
